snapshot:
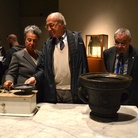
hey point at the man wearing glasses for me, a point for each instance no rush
(64, 59)
(123, 59)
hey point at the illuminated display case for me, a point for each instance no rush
(96, 44)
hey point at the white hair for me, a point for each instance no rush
(121, 31)
(59, 17)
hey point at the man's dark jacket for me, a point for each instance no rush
(77, 62)
(132, 70)
(9, 56)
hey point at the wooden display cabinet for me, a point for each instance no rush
(95, 45)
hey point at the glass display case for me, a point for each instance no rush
(96, 44)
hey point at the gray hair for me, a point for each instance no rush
(59, 17)
(123, 31)
(33, 29)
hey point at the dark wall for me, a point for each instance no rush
(32, 8)
(15, 15)
(35, 12)
(9, 19)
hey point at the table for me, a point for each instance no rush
(69, 121)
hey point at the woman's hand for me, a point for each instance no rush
(31, 80)
(8, 84)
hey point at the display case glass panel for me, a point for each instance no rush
(96, 44)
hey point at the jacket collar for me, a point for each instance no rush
(28, 58)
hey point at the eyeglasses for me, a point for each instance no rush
(122, 44)
(51, 25)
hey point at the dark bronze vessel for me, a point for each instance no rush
(106, 92)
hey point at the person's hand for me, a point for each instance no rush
(8, 84)
(31, 80)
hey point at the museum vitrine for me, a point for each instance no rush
(95, 45)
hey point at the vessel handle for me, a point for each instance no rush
(83, 95)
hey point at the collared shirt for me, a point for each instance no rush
(64, 40)
(125, 63)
